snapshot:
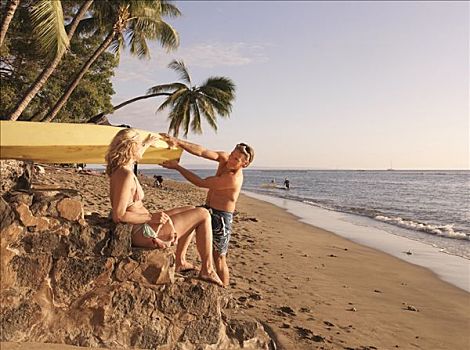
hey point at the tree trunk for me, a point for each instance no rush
(97, 119)
(61, 102)
(45, 74)
(10, 12)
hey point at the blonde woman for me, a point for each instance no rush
(153, 230)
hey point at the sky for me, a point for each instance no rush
(321, 85)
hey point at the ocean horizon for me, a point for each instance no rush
(429, 206)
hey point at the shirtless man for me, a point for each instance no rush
(224, 189)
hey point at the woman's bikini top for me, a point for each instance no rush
(138, 195)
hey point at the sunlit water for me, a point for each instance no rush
(428, 206)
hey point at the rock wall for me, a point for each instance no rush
(12, 174)
(75, 280)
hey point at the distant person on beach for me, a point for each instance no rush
(287, 183)
(158, 181)
(153, 230)
(224, 189)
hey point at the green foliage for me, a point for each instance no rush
(48, 23)
(138, 20)
(21, 61)
(188, 103)
(123, 23)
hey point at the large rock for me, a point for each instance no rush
(76, 280)
(14, 174)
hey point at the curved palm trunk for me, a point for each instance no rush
(11, 9)
(46, 73)
(61, 102)
(99, 117)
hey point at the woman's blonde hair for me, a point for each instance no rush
(122, 149)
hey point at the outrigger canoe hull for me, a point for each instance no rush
(70, 143)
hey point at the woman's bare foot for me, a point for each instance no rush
(211, 277)
(159, 244)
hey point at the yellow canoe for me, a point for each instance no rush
(70, 143)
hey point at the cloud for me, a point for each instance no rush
(141, 115)
(132, 69)
(209, 55)
(205, 55)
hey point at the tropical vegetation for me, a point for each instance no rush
(57, 58)
(188, 103)
(23, 61)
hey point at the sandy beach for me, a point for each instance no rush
(314, 289)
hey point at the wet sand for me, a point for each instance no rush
(313, 289)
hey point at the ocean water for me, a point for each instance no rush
(432, 207)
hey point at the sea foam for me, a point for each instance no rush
(443, 230)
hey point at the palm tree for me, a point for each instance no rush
(214, 96)
(48, 18)
(9, 13)
(128, 23)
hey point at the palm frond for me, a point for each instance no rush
(196, 125)
(222, 108)
(48, 23)
(165, 88)
(138, 45)
(105, 13)
(208, 112)
(136, 6)
(165, 104)
(116, 46)
(206, 107)
(186, 116)
(180, 68)
(175, 98)
(216, 93)
(169, 10)
(222, 83)
(147, 12)
(167, 36)
(154, 28)
(172, 100)
(145, 25)
(176, 116)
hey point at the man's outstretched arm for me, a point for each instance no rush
(193, 148)
(213, 182)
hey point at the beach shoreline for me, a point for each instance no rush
(310, 287)
(362, 230)
(344, 284)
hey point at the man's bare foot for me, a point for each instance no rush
(185, 267)
(211, 277)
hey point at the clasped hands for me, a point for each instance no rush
(160, 219)
(170, 140)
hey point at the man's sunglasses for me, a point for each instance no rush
(245, 149)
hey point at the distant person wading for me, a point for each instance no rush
(287, 183)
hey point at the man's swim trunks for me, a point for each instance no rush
(221, 229)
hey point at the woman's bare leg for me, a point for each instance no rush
(174, 211)
(181, 249)
(198, 219)
(183, 243)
